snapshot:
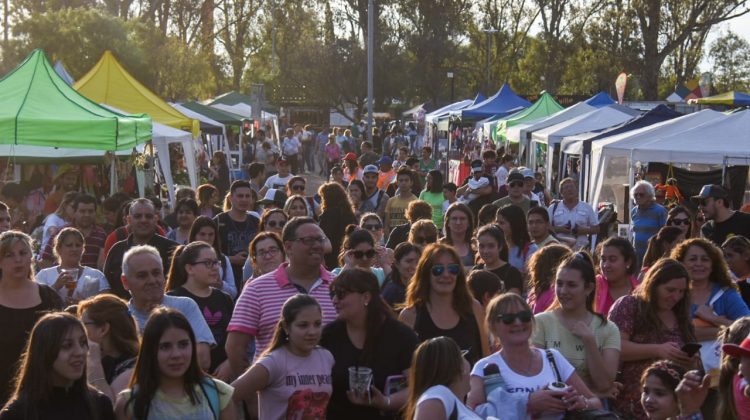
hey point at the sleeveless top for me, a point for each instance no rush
(465, 333)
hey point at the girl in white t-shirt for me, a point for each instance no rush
(527, 371)
(438, 393)
(293, 376)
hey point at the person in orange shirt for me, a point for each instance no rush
(387, 175)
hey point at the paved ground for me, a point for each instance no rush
(314, 181)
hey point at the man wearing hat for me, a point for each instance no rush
(713, 201)
(273, 199)
(516, 196)
(387, 174)
(375, 199)
(279, 180)
(352, 170)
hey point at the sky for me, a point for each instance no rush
(739, 25)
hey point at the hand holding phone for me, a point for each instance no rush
(691, 348)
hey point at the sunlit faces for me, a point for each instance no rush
(94, 331)
(70, 363)
(85, 214)
(175, 353)
(404, 182)
(205, 269)
(16, 263)
(568, 190)
(538, 227)
(670, 293)
(737, 262)
(570, 288)
(641, 196)
(297, 208)
(698, 263)
(70, 250)
(298, 187)
(145, 279)
(682, 221)
(304, 333)
(355, 193)
(502, 222)
(489, 249)
(349, 304)
(516, 332)
(275, 223)
(613, 264)
(458, 222)
(445, 283)
(407, 266)
(362, 255)
(658, 401)
(206, 234)
(268, 255)
(307, 248)
(142, 220)
(242, 199)
(370, 180)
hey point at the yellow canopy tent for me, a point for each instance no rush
(109, 83)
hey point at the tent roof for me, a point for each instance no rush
(63, 73)
(232, 98)
(109, 83)
(545, 106)
(582, 143)
(599, 119)
(733, 98)
(208, 126)
(37, 108)
(520, 131)
(675, 98)
(224, 117)
(504, 101)
(600, 99)
(434, 115)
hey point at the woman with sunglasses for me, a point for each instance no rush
(423, 233)
(617, 263)
(459, 226)
(680, 217)
(737, 255)
(654, 324)
(587, 340)
(337, 214)
(367, 335)
(405, 259)
(372, 223)
(439, 302)
(491, 243)
(205, 229)
(273, 220)
(512, 221)
(194, 270)
(528, 371)
(358, 250)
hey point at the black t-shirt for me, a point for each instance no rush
(394, 293)
(511, 277)
(738, 224)
(392, 356)
(399, 233)
(235, 237)
(63, 405)
(217, 311)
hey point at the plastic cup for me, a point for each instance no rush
(359, 379)
(73, 272)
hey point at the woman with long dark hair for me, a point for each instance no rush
(617, 263)
(659, 382)
(459, 227)
(206, 230)
(167, 382)
(433, 194)
(654, 324)
(542, 272)
(356, 193)
(208, 197)
(293, 352)
(51, 382)
(405, 259)
(494, 252)
(661, 245)
(366, 335)
(439, 303)
(681, 217)
(186, 211)
(337, 214)
(587, 340)
(512, 221)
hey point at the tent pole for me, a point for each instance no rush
(113, 175)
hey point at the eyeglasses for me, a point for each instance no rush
(208, 263)
(516, 184)
(677, 222)
(270, 252)
(360, 254)
(372, 226)
(338, 293)
(275, 224)
(508, 319)
(438, 270)
(298, 187)
(313, 240)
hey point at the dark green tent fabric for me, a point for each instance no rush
(38, 108)
(216, 114)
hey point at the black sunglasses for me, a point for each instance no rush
(338, 293)
(438, 270)
(274, 224)
(373, 226)
(677, 222)
(508, 319)
(298, 187)
(516, 184)
(359, 254)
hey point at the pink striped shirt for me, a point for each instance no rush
(258, 308)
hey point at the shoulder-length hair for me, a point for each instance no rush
(33, 381)
(676, 210)
(583, 264)
(436, 185)
(9, 239)
(448, 239)
(497, 234)
(664, 271)
(719, 269)
(183, 255)
(333, 195)
(291, 200)
(418, 291)
(657, 244)
(62, 237)
(543, 266)
(292, 307)
(199, 223)
(147, 375)
(519, 232)
(364, 281)
(440, 352)
(110, 309)
(401, 251)
(267, 214)
(353, 236)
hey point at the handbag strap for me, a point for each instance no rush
(551, 359)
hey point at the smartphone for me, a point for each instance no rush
(691, 348)
(394, 383)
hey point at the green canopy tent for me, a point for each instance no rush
(545, 106)
(38, 108)
(224, 117)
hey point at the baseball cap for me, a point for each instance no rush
(370, 169)
(282, 158)
(477, 166)
(710, 191)
(526, 172)
(274, 196)
(741, 350)
(350, 156)
(515, 176)
(385, 160)
(476, 184)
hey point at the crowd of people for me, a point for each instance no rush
(387, 293)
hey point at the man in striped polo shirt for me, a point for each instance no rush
(258, 308)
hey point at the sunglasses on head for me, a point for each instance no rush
(360, 254)
(508, 319)
(438, 270)
(677, 222)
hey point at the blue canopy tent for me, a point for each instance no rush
(504, 102)
(63, 73)
(599, 100)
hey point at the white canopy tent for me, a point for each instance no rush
(611, 163)
(432, 117)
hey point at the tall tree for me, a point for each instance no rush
(239, 26)
(730, 55)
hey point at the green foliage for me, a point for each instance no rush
(731, 57)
